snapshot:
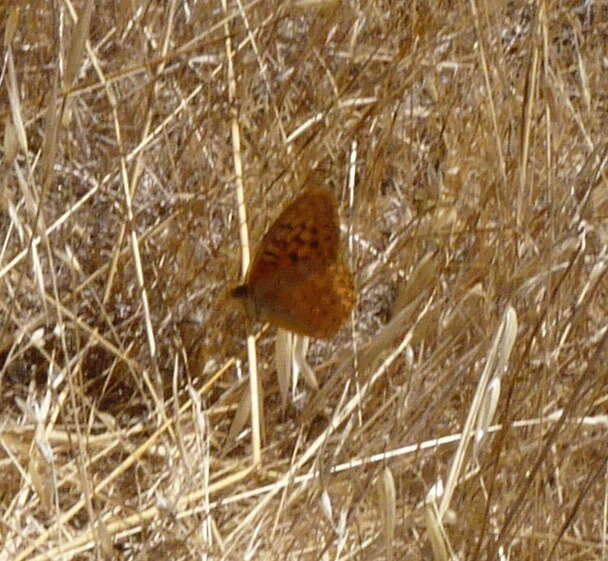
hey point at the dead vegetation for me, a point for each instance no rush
(466, 142)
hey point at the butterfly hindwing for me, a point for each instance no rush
(315, 306)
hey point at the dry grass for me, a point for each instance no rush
(466, 143)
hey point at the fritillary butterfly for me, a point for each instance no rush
(298, 279)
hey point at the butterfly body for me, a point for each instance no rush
(298, 280)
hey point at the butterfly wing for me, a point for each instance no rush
(297, 280)
(316, 305)
(305, 237)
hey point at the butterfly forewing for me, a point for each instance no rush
(305, 237)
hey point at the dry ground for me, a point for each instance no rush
(466, 142)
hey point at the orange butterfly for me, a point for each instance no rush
(298, 280)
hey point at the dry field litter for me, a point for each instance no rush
(460, 410)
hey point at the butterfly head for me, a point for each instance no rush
(240, 292)
(243, 294)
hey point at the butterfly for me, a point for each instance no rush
(298, 279)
